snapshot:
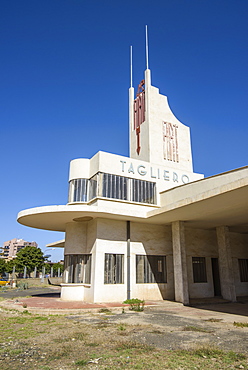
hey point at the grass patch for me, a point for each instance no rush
(156, 331)
(92, 344)
(241, 324)
(45, 343)
(196, 328)
(206, 357)
(81, 362)
(106, 311)
(213, 320)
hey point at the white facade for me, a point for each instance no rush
(147, 226)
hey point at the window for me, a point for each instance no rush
(199, 270)
(143, 191)
(150, 269)
(113, 269)
(243, 270)
(93, 187)
(112, 186)
(77, 268)
(78, 190)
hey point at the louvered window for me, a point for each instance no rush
(113, 269)
(77, 268)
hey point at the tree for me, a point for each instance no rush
(10, 265)
(57, 266)
(29, 257)
(2, 266)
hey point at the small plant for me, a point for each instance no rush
(24, 305)
(241, 324)
(121, 327)
(135, 304)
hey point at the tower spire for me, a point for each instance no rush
(131, 66)
(147, 65)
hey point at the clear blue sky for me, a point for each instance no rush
(64, 79)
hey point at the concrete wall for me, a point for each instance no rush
(152, 240)
(102, 236)
(201, 243)
(239, 250)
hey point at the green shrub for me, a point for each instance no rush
(135, 304)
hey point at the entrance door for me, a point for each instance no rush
(216, 276)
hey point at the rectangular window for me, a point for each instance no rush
(243, 270)
(199, 270)
(143, 191)
(113, 269)
(93, 187)
(77, 268)
(150, 269)
(114, 186)
(80, 190)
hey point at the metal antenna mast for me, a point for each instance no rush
(147, 66)
(131, 66)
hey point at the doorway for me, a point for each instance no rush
(216, 276)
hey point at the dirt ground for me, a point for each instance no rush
(33, 338)
(33, 341)
(170, 331)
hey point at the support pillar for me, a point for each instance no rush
(179, 261)
(128, 262)
(228, 290)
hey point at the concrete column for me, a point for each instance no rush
(179, 261)
(228, 290)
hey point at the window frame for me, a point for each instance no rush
(243, 269)
(199, 270)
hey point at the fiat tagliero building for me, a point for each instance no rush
(146, 226)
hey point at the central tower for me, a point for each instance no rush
(155, 134)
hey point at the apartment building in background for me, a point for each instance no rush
(13, 246)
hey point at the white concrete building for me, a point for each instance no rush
(146, 226)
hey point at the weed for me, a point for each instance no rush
(121, 327)
(213, 320)
(241, 324)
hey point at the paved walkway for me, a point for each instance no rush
(47, 301)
